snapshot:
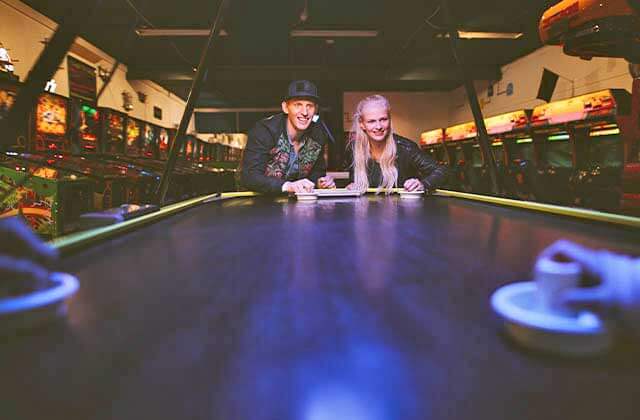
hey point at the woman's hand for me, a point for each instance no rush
(413, 184)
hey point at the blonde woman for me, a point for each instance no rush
(384, 160)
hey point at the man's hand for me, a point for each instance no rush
(24, 259)
(326, 182)
(299, 186)
(413, 184)
(614, 278)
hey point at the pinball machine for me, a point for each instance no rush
(49, 200)
(9, 88)
(113, 125)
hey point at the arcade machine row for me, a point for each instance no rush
(582, 148)
(50, 145)
(586, 29)
(50, 200)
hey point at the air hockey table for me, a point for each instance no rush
(266, 308)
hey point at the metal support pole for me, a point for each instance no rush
(106, 82)
(483, 137)
(188, 111)
(75, 19)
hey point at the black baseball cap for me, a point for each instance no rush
(302, 89)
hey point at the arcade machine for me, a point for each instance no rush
(600, 149)
(112, 131)
(431, 142)
(516, 158)
(50, 146)
(582, 148)
(50, 201)
(86, 129)
(8, 90)
(586, 30)
(465, 163)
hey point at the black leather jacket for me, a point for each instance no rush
(265, 157)
(411, 163)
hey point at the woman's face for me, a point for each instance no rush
(375, 121)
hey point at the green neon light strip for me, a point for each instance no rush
(593, 215)
(558, 137)
(528, 140)
(76, 240)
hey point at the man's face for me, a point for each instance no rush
(375, 121)
(299, 112)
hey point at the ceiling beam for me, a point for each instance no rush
(430, 73)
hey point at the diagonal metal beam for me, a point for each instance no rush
(191, 103)
(75, 20)
(231, 73)
(483, 137)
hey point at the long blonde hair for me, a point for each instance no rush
(362, 152)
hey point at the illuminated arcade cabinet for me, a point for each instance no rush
(590, 28)
(465, 158)
(514, 152)
(432, 143)
(150, 141)
(582, 147)
(50, 123)
(163, 143)
(113, 131)
(85, 127)
(51, 201)
(133, 138)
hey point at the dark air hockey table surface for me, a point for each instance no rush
(363, 309)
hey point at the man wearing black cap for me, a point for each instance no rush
(284, 152)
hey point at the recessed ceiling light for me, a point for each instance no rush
(333, 33)
(484, 35)
(166, 32)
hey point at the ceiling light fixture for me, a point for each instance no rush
(169, 32)
(333, 33)
(489, 35)
(484, 35)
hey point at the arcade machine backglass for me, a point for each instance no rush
(113, 131)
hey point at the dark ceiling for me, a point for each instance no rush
(252, 65)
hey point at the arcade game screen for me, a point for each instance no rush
(51, 123)
(459, 153)
(476, 156)
(558, 151)
(497, 148)
(605, 147)
(523, 150)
